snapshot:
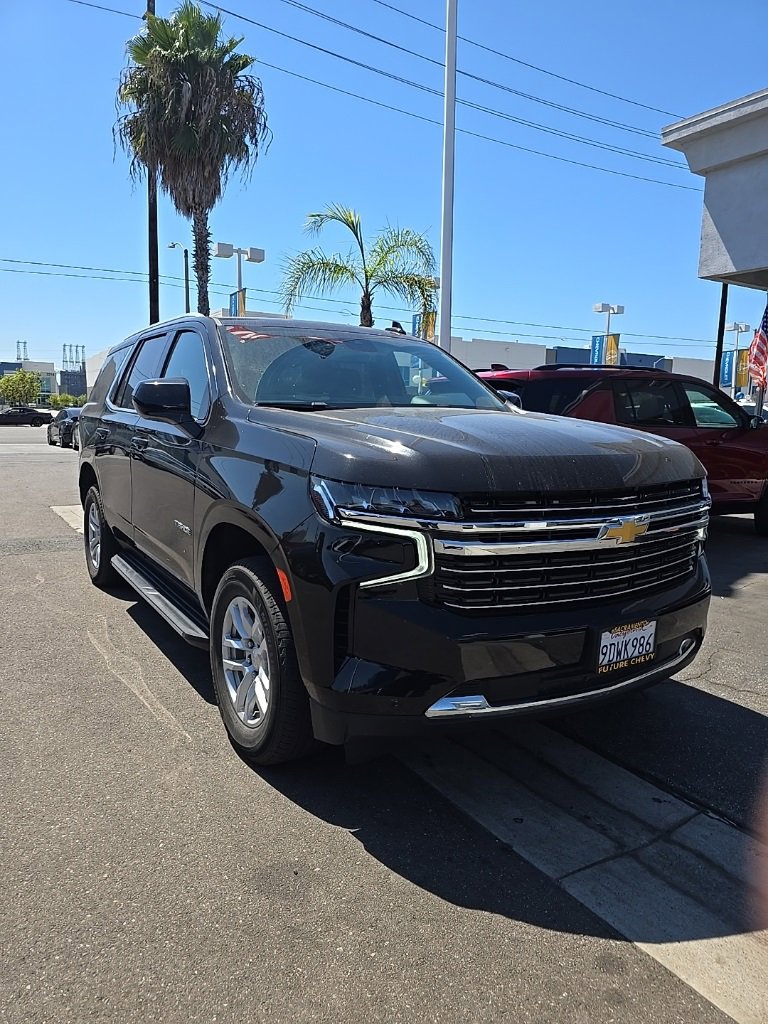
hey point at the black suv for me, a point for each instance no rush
(365, 555)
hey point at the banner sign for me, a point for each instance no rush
(597, 353)
(612, 350)
(726, 368)
(742, 368)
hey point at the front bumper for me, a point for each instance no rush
(462, 679)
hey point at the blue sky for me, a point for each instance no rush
(536, 240)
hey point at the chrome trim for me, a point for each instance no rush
(517, 526)
(463, 707)
(480, 549)
(425, 562)
(632, 556)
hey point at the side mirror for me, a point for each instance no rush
(511, 398)
(166, 400)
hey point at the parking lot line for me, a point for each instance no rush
(71, 514)
(670, 878)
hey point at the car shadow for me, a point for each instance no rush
(734, 552)
(681, 738)
(192, 662)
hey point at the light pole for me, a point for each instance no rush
(449, 139)
(178, 245)
(224, 250)
(738, 329)
(607, 308)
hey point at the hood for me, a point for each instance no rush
(467, 450)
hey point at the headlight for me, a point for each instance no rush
(335, 500)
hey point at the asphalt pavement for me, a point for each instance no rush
(590, 869)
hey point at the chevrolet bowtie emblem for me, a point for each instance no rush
(625, 530)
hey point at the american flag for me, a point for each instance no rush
(758, 352)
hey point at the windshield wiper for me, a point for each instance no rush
(288, 404)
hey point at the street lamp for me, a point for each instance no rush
(738, 329)
(225, 251)
(608, 309)
(178, 245)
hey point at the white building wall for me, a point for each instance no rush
(702, 368)
(477, 353)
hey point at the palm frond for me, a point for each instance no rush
(415, 289)
(315, 270)
(394, 246)
(338, 214)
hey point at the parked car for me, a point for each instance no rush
(731, 443)
(61, 429)
(20, 415)
(362, 558)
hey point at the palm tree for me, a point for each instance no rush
(193, 116)
(399, 261)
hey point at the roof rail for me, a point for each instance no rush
(599, 366)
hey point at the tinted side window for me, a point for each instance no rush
(552, 396)
(145, 366)
(650, 403)
(709, 409)
(187, 360)
(107, 374)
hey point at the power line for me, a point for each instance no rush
(421, 117)
(478, 135)
(486, 81)
(430, 60)
(139, 277)
(526, 64)
(111, 10)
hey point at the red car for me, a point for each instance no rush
(732, 445)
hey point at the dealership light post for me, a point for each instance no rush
(738, 329)
(178, 245)
(608, 309)
(449, 145)
(224, 250)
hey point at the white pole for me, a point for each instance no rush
(449, 139)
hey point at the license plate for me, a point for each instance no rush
(627, 646)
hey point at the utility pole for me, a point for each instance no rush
(449, 146)
(720, 334)
(154, 257)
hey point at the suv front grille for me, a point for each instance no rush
(530, 555)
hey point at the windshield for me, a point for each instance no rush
(327, 367)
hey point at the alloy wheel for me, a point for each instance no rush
(94, 535)
(245, 661)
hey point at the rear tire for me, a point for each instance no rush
(50, 441)
(100, 543)
(761, 516)
(37, 422)
(262, 699)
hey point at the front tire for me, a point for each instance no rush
(262, 699)
(100, 543)
(51, 442)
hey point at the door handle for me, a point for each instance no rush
(138, 444)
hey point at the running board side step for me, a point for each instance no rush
(186, 627)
